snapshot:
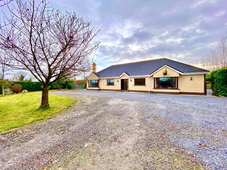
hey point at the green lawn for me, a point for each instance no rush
(21, 109)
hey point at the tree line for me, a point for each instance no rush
(218, 57)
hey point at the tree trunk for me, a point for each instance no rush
(44, 100)
(3, 93)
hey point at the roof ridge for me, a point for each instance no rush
(139, 61)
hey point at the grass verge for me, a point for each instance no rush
(21, 109)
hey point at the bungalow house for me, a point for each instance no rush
(154, 76)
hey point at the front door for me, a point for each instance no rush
(124, 84)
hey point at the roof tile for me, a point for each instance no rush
(147, 68)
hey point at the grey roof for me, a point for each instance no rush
(147, 68)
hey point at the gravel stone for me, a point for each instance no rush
(123, 131)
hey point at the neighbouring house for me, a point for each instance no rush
(154, 76)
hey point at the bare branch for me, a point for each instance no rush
(217, 58)
(5, 2)
(48, 44)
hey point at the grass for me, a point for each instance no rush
(21, 109)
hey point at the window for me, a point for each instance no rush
(140, 82)
(166, 83)
(110, 82)
(93, 83)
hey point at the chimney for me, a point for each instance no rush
(93, 68)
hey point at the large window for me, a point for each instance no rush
(140, 82)
(110, 82)
(166, 83)
(93, 83)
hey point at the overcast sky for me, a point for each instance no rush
(134, 30)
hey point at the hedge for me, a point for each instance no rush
(208, 77)
(37, 86)
(29, 85)
(219, 82)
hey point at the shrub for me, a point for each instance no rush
(16, 88)
(208, 77)
(7, 85)
(219, 82)
(61, 85)
(69, 86)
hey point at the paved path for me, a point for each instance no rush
(123, 131)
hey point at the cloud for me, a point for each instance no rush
(141, 29)
(220, 13)
(138, 36)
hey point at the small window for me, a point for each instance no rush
(110, 82)
(140, 82)
(93, 83)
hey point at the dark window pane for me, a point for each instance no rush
(93, 83)
(110, 82)
(166, 82)
(140, 81)
(174, 83)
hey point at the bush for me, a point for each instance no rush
(219, 82)
(61, 85)
(7, 85)
(16, 88)
(69, 86)
(30, 86)
(208, 77)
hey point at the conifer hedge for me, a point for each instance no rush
(219, 82)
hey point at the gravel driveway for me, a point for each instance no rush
(123, 131)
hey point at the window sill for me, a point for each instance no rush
(166, 88)
(139, 85)
(110, 85)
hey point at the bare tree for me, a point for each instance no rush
(48, 44)
(4, 67)
(217, 58)
(223, 51)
